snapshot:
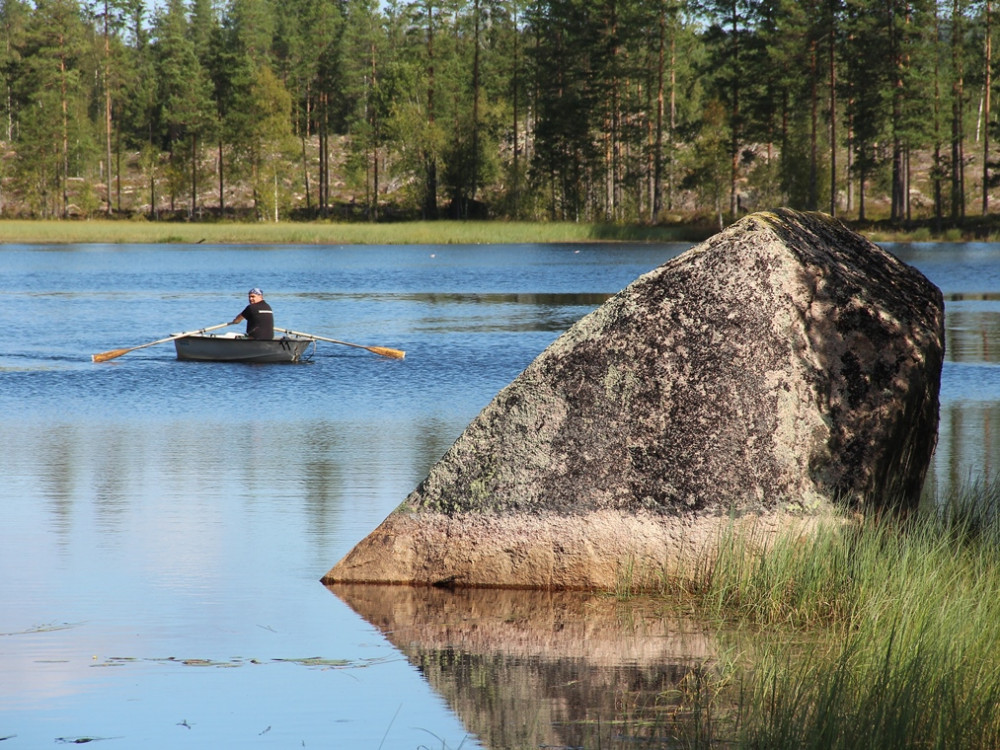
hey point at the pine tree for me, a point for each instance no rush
(727, 39)
(987, 101)
(866, 81)
(186, 110)
(272, 105)
(137, 91)
(309, 59)
(53, 96)
(566, 157)
(13, 18)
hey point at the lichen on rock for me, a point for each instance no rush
(786, 364)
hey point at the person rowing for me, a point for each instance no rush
(258, 315)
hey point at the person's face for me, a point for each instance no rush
(254, 298)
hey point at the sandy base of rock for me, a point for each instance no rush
(602, 550)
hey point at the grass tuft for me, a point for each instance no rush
(879, 634)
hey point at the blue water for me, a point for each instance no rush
(969, 276)
(165, 524)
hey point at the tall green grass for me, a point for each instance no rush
(334, 233)
(877, 634)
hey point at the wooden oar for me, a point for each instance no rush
(105, 356)
(382, 350)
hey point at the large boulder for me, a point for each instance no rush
(780, 368)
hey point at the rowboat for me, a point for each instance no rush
(234, 347)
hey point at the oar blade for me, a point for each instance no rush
(105, 356)
(381, 350)
(387, 352)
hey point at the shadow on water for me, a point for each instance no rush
(547, 669)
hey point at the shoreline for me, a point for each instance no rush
(443, 232)
(110, 231)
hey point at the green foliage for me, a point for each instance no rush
(709, 172)
(601, 110)
(184, 94)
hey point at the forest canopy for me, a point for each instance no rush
(581, 110)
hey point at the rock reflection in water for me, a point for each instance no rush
(544, 669)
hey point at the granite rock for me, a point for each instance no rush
(783, 368)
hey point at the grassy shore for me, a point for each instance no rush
(879, 635)
(142, 231)
(102, 231)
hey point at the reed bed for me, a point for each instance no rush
(141, 231)
(877, 634)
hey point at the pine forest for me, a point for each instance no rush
(643, 111)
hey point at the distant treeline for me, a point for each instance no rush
(614, 110)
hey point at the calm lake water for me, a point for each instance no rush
(165, 524)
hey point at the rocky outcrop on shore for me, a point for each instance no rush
(777, 370)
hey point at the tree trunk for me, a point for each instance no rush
(194, 176)
(831, 60)
(861, 192)
(305, 173)
(118, 170)
(813, 127)
(734, 172)
(897, 207)
(376, 137)
(64, 176)
(107, 104)
(304, 134)
(986, 107)
(616, 120)
(222, 191)
(673, 118)
(375, 183)
(152, 190)
(658, 143)
(430, 160)
(938, 172)
(906, 183)
(516, 190)
(474, 177)
(957, 109)
(324, 176)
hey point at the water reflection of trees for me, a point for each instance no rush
(967, 448)
(972, 331)
(547, 669)
(323, 468)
